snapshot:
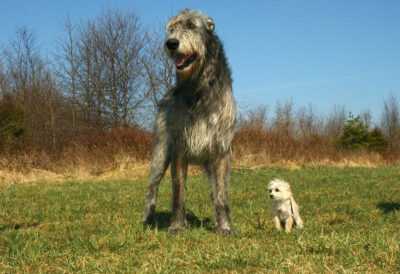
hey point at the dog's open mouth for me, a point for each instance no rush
(184, 61)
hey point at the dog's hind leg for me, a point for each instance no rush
(296, 214)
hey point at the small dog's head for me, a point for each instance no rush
(279, 190)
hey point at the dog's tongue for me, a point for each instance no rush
(180, 60)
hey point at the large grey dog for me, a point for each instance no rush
(196, 119)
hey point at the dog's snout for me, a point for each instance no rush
(172, 44)
(271, 196)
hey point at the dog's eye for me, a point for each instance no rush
(269, 190)
(190, 25)
(277, 189)
(171, 28)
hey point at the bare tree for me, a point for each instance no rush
(67, 72)
(366, 118)
(256, 118)
(24, 69)
(284, 118)
(308, 123)
(335, 122)
(159, 69)
(390, 122)
(3, 81)
(104, 69)
(31, 84)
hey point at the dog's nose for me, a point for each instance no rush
(271, 196)
(172, 44)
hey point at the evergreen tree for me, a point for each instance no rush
(355, 134)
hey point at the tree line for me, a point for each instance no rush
(106, 73)
(287, 133)
(100, 87)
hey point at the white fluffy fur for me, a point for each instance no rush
(285, 210)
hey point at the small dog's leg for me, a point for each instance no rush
(178, 173)
(289, 224)
(296, 214)
(299, 222)
(277, 223)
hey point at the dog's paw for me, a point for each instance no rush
(225, 231)
(149, 216)
(176, 228)
(149, 221)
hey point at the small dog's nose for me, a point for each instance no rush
(172, 44)
(271, 196)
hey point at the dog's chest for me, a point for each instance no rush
(198, 134)
(203, 128)
(282, 210)
(194, 131)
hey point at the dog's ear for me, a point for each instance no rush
(210, 24)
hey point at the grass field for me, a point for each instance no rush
(352, 225)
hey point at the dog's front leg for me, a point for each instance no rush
(289, 224)
(219, 171)
(178, 173)
(159, 163)
(277, 223)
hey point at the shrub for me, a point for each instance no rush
(11, 123)
(355, 134)
(377, 141)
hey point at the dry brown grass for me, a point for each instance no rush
(114, 154)
(124, 154)
(123, 166)
(255, 145)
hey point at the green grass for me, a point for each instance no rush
(352, 223)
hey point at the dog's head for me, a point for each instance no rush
(279, 190)
(186, 40)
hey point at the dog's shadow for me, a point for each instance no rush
(18, 226)
(162, 220)
(388, 207)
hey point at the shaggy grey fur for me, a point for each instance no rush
(196, 119)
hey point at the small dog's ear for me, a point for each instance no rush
(210, 24)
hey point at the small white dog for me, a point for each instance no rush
(285, 210)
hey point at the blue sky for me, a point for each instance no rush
(323, 53)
